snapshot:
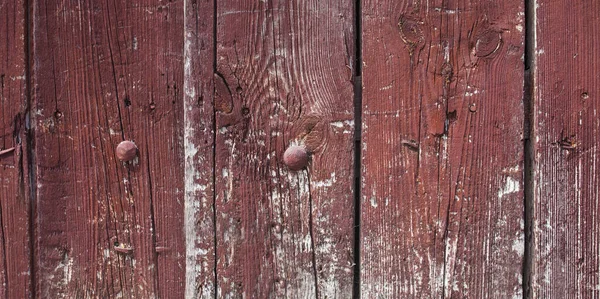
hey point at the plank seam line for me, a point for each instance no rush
(214, 151)
(357, 143)
(528, 145)
(30, 143)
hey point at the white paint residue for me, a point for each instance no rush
(373, 201)
(446, 11)
(326, 183)
(65, 267)
(330, 288)
(519, 245)
(511, 186)
(547, 274)
(386, 87)
(514, 169)
(519, 28)
(194, 197)
(470, 94)
(337, 124)
(346, 125)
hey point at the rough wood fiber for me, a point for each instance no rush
(284, 76)
(15, 252)
(566, 141)
(442, 198)
(105, 71)
(199, 149)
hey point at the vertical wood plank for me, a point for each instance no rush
(199, 55)
(284, 77)
(442, 198)
(566, 141)
(15, 196)
(104, 72)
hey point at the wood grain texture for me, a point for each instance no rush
(15, 195)
(284, 76)
(199, 143)
(103, 72)
(442, 166)
(566, 141)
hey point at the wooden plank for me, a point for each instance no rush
(15, 195)
(284, 77)
(199, 226)
(104, 72)
(566, 222)
(442, 166)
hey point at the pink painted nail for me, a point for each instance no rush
(295, 157)
(126, 151)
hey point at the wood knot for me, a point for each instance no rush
(310, 129)
(488, 42)
(411, 31)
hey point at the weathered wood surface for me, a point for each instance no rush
(104, 72)
(566, 109)
(283, 76)
(199, 146)
(442, 198)
(213, 92)
(15, 252)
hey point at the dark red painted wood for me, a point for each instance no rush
(566, 210)
(212, 96)
(15, 196)
(442, 197)
(284, 77)
(104, 72)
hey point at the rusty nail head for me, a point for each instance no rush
(126, 151)
(295, 157)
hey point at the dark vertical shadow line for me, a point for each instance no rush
(30, 144)
(357, 143)
(214, 150)
(528, 143)
(153, 225)
(3, 240)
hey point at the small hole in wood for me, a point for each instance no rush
(245, 111)
(451, 116)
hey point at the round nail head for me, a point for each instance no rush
(126, 151)
(295, 157)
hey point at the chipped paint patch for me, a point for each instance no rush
(326, 183)
(196, 199)
(374, 202)
(519, 245)
(511, 186)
